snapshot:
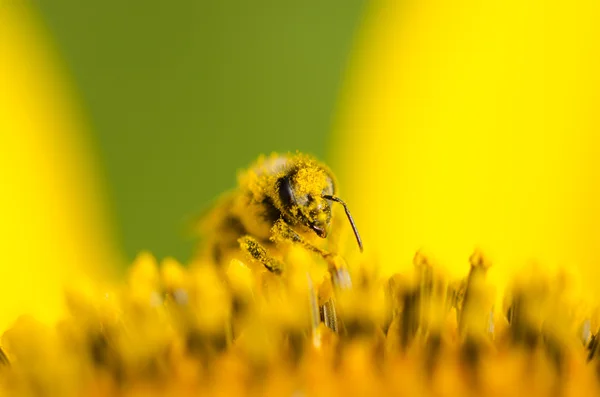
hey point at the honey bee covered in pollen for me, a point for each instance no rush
(279, 198)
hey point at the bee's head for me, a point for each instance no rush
(305, 198)
(305, 205)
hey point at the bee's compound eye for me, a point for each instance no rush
(286, 195)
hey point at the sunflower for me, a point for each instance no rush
(469, 159)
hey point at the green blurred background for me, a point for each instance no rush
(182, 94)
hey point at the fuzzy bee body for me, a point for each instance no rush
(279, 197)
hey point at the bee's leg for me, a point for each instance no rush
(315, 312)
(329, 316)
(259, 253)
(281, 231)
(3, 359)
(340, 277)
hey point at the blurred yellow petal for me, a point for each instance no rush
(52, 222)
(475, 123)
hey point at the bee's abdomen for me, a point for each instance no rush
(256, 221)
(229, 231)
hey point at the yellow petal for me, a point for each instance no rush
(475, 124)
(52, 223)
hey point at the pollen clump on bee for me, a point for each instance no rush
(261, 179)
(310, 179)
(176, 330)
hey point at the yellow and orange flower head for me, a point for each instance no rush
(466, 125)
(171, 330)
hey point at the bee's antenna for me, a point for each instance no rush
(339, 200)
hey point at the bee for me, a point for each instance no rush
(281, 197)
